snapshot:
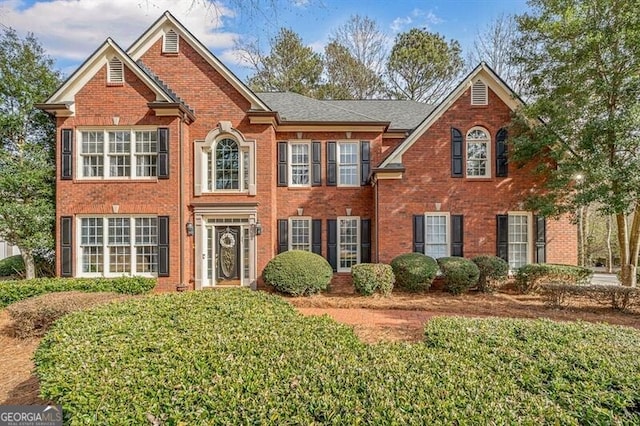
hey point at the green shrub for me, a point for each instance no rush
(528, 277)
(33, 316)
(241, 357)
(493, 272)
(298, 273)
(10, 266)
(371, 277)
(558, 295)
(414, 271)
(459, 274)
(13, 291)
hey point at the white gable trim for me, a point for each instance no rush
(166, 22)
(482, 72)
(100, 58)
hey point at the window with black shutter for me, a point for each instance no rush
(502, 166)
(418, 233)
(456, 153)
(66, 165)
(282, 164)
(457, 235)
(163, 153)
(163, 246)
(332, 178)
(66, 245)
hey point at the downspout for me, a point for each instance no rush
(375, 182)
(181, 285)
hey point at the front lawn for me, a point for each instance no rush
(239, 357)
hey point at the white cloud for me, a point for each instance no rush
(399, 23)
(70, 30)
(417, 18)
(300, 3)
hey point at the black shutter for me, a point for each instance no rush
(163, 246)
(316, 171)
(332, 179)
(365, 162)
(66, 166)
(541, 239)
(365, 241)
(283, 235)
(457, 235)
(456, 153)
(332, 243)
(66, 244)
(418, 233)
(316, 236)
(282, 164)
(502, 167)
(502, 236)
(163, 153)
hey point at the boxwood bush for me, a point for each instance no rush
(493, 272)
(529, 276)
(414, 271)
(460, 274)
(371, 277)
(13, 291)
(298, 273)
(14, 266)
(240, 357)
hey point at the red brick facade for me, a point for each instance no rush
(425, 185)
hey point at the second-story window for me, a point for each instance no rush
(348, 164)
(226, 165)
(299, 164)
(478, 153)
(117, 154)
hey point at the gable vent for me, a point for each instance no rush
(170, 42)
(479, 93)
(116, 71)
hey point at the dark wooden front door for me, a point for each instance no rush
(228, 255)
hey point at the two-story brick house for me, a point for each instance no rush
(169, 166)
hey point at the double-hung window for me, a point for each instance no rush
(300, 233)
(519, 240)
(299, 163)
(113, 246)
(348, 242)
(478, 153)
(437, 235)
(348, 164)
(118, 153)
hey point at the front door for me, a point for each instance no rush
(227, 255)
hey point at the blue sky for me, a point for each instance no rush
(71, 29)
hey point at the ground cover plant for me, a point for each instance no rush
(240, 357)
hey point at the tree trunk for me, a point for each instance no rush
(609, 249)
(629, 241)
(29, 264)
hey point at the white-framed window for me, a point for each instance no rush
(118, 153)
(348, 242)
(170, 42)
(437, 235)
(118, 245)
(478, 153)
(520, 239)
(348, 162)
(227, 166)
(115, 71)
(479, 93)
(299, 164)
(300, 233)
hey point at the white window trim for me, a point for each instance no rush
(79, 166)
(358, 243)
(358, 165)
(164, 42)
(489, 141)
(485, 94)
(109, 80)
(290, 163)
(105, 245)
(290, 230)
(448, 229)
(530, 242)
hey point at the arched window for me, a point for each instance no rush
(227, 165)
(478, 153)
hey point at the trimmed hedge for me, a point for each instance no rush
(240, 357)
(616, 297)
(493, 272)
(13, 291)
(528, 277)
(34, 316)
(14, 266)
(298, 273)
(414, 271)
(371, 277)
(460, 274)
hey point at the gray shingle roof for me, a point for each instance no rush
(403, 115)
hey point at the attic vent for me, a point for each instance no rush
(170, 42)
(479, 95)
(116, 71)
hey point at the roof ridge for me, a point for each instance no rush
(348, 110)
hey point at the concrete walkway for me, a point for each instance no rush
(603, 278)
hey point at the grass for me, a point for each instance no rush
(240, 357)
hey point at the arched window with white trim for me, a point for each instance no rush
(224, 165)
(478, 151)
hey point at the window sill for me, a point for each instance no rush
(115, 180)
(479, 179)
